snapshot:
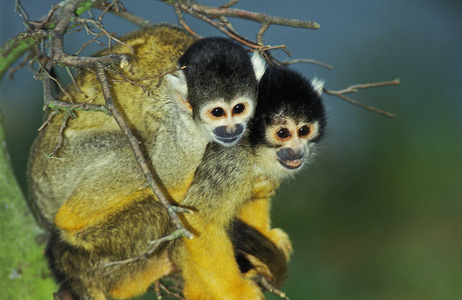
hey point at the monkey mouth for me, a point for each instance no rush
(228, 140)
(291, 164)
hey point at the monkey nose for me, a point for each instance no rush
(228, 134)
(230, 129)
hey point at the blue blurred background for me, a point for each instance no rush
(378, 215)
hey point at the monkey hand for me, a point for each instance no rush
(281, 240)
(264, 187)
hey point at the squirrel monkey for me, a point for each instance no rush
(174, 120)
(207, 262)
(91, 198)
(289, 121)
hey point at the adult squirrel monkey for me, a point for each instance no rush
(96, 179)
(174, 120)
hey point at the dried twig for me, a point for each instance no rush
(305, 60)
(356, 87)
(121, 13)
(66, 117)
(182, 22)
(154, 245)
(134, 144)
(187, 5)
(136, 80)
(159, 287)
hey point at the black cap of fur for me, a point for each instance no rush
(285, 93)
(218, 68)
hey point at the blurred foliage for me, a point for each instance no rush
(24, 273)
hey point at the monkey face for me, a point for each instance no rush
(292, 141)
(227, 122)
(287, 147)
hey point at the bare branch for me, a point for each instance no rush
(305, 60)
(99, 25)
(63, 126)
(187, 5)
(160, 285)
(354, 88)
(154, 245)
(136, 80)
(126, 15)
(182, 22)
(264, 26)
(229, 4)
(23, 14)
(134, 144)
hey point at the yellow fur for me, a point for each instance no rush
(210, 270)
(91, 196)
(256, 213)
(157, 267)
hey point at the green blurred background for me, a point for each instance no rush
(378, 214)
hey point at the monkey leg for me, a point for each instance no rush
(210, 270)
(138, 283)
(78, 257)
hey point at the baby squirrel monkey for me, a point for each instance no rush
(93, 193)
(288, 123)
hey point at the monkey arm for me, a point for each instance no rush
(256, 213)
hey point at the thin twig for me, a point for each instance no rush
(134, 144)
(132, 18)
(136, 80)
(63, 126)
(48, 120)
(169, 292)
(229, 4)
(305, 60)
(99, 25)
(354, 88)
(74, 82)
(154, 245)
(23, 14)
(241, 14)
(182, 21)
(264, 27)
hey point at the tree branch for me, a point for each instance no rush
(134, 144)
(224, 10)
(356, 87)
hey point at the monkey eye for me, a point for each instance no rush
(218, 112)
(304, 130)
(283, 133)
(238, 109)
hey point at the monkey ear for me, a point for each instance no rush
(177, 84)
(179, 88)
(259, 65)
(318, 85)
